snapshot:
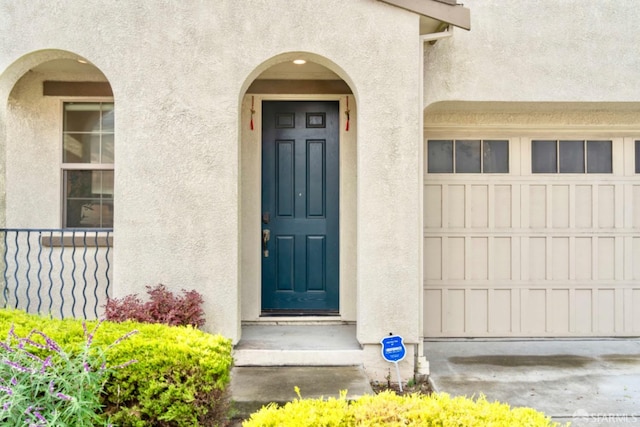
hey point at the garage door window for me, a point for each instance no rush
(571, 156)
(468, 156)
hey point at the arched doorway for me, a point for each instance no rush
(311, 184)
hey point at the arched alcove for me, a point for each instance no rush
(279, 79)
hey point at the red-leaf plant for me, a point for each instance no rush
(162, 307)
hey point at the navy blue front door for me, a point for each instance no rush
(300, 211)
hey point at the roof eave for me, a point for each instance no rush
(453, 14)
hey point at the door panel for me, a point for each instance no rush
(300, 205)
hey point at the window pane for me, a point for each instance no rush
(467, 156)
(82, 117)
(79, 184)
(544, 157)
(495, 157)
(89, 198)
(637, 156)
(81, 148)
(107, 149)
(107, 117)
(571, 156)
(440, 156)
(599, 157)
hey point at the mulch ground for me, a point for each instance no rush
(421, 387)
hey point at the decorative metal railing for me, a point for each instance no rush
(58, 272)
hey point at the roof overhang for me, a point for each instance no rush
(436, 14)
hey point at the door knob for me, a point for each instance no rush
(266, 235)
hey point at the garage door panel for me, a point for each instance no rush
(560, 207)
(538, 206)
(558, 316)
(502, 206)
(584, 206)
(583, 311)
(433, 206)
(606, 206)
(636, 206)
(500, 311)
(456, 206)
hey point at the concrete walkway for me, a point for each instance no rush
(253, 387)
(586, 382)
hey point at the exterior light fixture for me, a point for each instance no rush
(299, 61)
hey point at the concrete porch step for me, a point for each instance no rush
(298, 345)
(248, 357)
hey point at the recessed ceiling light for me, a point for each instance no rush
(82, 61)
(299, 61)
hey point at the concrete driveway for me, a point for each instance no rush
(587, 382)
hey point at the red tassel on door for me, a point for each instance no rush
(252, 113)
(347, 113)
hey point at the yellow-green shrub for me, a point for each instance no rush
(388, 409)
(179, 378)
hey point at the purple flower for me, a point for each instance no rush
(6, 348)
(122, 338)
(6, 390)
(31, 342)
(45, 364)
(17, 366)
(6, 406)
(40, 417)
(14, 381)
(89, 335)
(51, 387)
(63, 396)
(125, 364)
(51, 344)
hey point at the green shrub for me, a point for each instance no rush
(179, 379)
(388, 409)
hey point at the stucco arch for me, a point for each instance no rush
(47, 64)
(250, 171)
(289, 57)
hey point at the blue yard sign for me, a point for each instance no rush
(393, 350)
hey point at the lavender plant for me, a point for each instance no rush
(43, 385)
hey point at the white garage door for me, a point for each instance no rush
(531, 236)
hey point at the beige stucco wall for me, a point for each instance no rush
(178, 82)
(546, 50)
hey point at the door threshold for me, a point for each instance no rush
(302, 313)
(297, 320)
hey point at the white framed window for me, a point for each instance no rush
(467, 156)
(87, 164)
(571, 156)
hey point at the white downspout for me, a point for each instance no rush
(421, 362)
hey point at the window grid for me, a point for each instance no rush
(559, 167)
(452, 164)
(87, 164)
